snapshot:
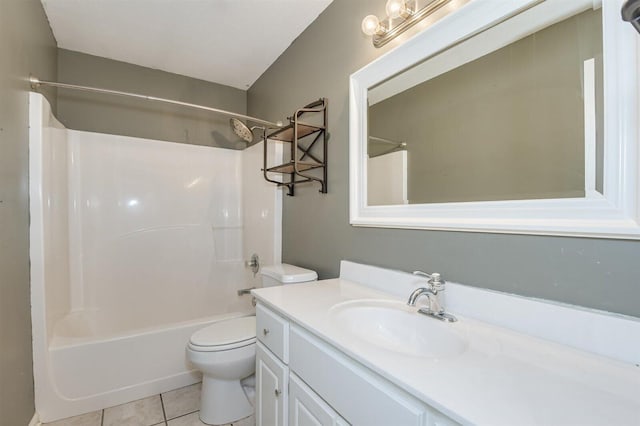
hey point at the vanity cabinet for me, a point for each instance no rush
(282, 398)
(302, 380)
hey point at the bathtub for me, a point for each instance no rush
(134, 245)
(93, 372)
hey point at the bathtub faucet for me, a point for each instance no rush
(244, 291)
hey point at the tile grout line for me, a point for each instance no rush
(185, 415)
(164, 413)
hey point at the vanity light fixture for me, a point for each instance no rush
(401, 15)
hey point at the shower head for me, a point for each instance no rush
(242, 130)
(631, 13)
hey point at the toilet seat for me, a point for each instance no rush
(225, 335)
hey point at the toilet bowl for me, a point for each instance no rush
(225, 353)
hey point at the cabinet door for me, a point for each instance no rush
(306, 408)
(271, 388)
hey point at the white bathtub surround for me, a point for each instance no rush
(178, 407)
(504, 376)
(135, 245)
(262, 210)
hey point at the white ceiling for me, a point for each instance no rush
(231, 42)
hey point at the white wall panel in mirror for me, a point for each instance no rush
(511, 116)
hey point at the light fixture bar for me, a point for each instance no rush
(380, 40)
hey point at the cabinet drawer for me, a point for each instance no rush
(356, 393)
(273, 331)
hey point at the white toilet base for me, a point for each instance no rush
(223, 401)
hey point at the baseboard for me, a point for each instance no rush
(35, 420)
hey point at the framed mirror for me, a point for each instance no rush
(512, 116)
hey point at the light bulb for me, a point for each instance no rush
(396, 8)
(370, 25)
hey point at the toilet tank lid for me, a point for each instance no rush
(286, 273)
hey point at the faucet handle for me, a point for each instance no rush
(436, 283)
(421, 274)
(435, 280)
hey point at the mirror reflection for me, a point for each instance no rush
(520, 121)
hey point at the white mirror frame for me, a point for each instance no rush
(614, 215)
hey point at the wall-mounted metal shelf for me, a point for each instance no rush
(303, 136)
(290, 167)
(286, 134)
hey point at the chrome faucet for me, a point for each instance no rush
(434, 285)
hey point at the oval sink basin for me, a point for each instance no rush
(396, 327)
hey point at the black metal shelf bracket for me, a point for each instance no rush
(297, 169)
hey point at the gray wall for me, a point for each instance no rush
(132, 117)
(598, 273)
(27, 46)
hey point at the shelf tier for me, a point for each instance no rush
(288, 167)
(285, 134)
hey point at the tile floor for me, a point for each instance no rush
(178, 407)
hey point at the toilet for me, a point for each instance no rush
(225, 353)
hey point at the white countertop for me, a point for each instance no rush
(503, 378)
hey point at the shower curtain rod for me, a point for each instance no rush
(383, 140)
(35, 82)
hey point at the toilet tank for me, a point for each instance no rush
(284, 273)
